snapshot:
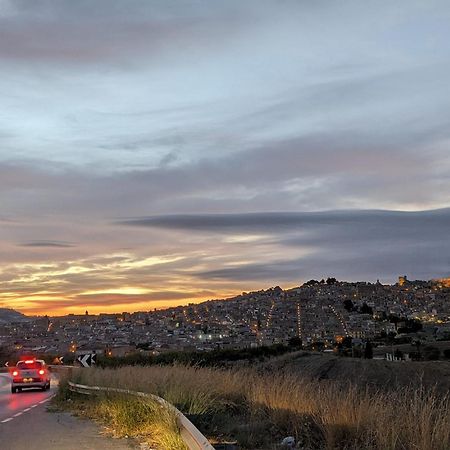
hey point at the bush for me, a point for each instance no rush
(431, 353)
(215, 358)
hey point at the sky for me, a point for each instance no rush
(157, 153)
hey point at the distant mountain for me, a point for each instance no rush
(10, 315)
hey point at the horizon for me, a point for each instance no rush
(153, 154)
(231, 297)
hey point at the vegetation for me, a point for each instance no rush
(125, 416)
(219, 357)
(330, 280)
(431, 353)
(259, 409)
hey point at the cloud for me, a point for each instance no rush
(349, 244)
(218, 222)
(221, 254)
(47, 244)
(156, 127)
(86, 33)
(273, 221)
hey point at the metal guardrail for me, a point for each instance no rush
(189, 433)
(59, 368)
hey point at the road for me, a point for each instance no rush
(12, 406)
(25, 424)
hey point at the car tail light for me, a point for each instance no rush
(41, 372)
(15, 373)
(29, 361)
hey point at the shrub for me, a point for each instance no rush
(431, 353)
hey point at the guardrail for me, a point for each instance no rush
(56, 368)
(189, 433)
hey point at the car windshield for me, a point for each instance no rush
(23, 365)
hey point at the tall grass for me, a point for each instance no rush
(125, 415)
(139, 417)
(323, 414)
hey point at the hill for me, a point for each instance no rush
(363, 372)
(8, 315)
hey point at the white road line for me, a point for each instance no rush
(25, 410)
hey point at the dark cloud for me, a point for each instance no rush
(47, 244)
(219, 222)
(352, 244)
(394, 220)
(288, 271)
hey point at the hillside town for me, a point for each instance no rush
(318, 315)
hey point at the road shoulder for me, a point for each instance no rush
(40, 428)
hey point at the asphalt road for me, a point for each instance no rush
(14, 405)
(25, 424)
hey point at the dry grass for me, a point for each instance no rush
(126, 415)
(139, 418)
(320, 415)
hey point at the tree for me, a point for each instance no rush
(347, 342)
(295, 342)
(366, 309)
(394, 319)
(431, 353)
(368, 351)
(411, 326)
(391, 337)
(348, 305)
(418, 343)
(331, 280)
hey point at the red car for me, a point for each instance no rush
(30, 373)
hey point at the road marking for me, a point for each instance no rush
(26, 410)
